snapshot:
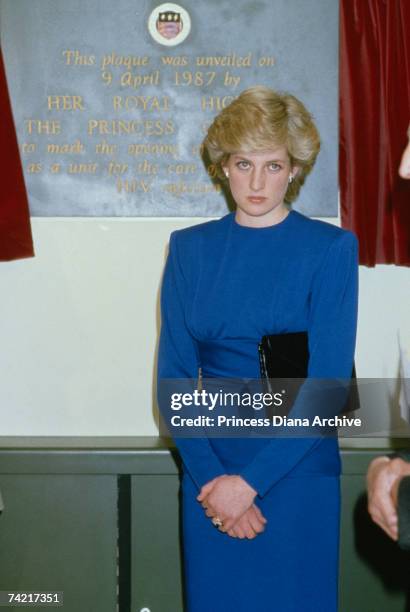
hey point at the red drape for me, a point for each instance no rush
(15, 231)
(374, 115)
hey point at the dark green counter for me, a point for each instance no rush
(98, 518)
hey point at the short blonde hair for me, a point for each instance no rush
(261, 119)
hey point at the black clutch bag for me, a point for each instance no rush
(286, 356)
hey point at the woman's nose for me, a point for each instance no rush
(257, 181)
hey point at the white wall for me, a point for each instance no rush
(78, 326)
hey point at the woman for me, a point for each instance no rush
(260, 516)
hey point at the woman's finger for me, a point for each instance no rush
(207, 488)
(259, 513)
(255, 521)
(239, 532)
(250, 532)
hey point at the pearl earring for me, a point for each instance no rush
(290, 178)
(227, 173)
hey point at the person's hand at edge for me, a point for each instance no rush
(404, 169)
(383, 478)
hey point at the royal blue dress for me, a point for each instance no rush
(224, 287)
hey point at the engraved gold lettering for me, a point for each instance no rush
(169, 127)
(74, 58)
(215, 103)
(37, 126)
(28, 147)
(145, 186)
(146, 103)
(129, 61)
(105, 148)
(65, 103)
(93, 124)
(178, 60)
(266, 61)
(118, 127)
(146, 167)
(34, 168)
(90, 168)
(153, 149)
(181, 168)
(115, 168)
(128, 79)
(231, 60)
(198, 79)
(107, 77)
(131, 186)
(76, 147)
(230, 80)
(192, 188)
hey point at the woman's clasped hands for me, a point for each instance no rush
(229, 501)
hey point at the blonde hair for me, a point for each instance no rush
(261, 119)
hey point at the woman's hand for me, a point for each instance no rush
(249, 525)
(228, 498)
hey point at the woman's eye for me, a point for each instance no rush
(243, 165)
(274, 166)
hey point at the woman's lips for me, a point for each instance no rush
(256, 200)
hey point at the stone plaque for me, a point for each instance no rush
(112, 99)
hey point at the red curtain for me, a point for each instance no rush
(15, 231)
(374, 116)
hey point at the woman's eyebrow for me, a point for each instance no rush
(269, 161)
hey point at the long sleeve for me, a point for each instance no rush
(332, 336)
(178, 359)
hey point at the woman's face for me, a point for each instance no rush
(258, 183)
